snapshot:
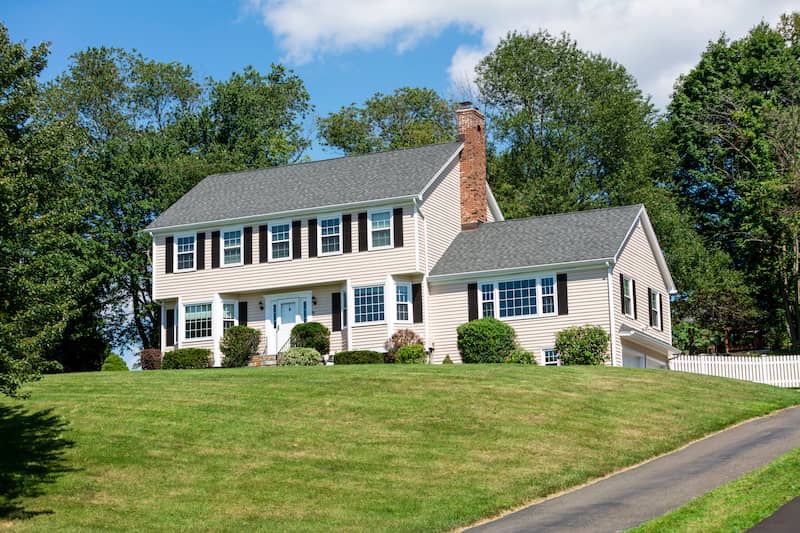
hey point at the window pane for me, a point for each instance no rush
(381, 238)
(517, 298)
(369, 304)
(381, 232)
(280, 241)
(197, 321)
(232, 247)
(329, 231)
(550, 357)
(185, 249)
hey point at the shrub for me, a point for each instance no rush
(521, 357)
(239, 344)
(358, 357)
(299, 356)
(447, 360)
(114, 363)
(582, 345)
(186, 358)
(401, 337)
(487, 340)
(410, 354)
(311, 335)
(150, 359)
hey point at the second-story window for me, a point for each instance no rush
(232, 247)
(627, 296)
(330, 235)
(185, 252)
(280, 236)
(380, 234)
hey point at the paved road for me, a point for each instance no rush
(629, 498)
(785, 520)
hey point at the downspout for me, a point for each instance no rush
(611, 318)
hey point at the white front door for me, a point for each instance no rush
(287, 317)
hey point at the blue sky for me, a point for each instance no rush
(346, 50)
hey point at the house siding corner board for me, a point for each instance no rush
(637, 261)
(587, 295)
(441, 208)
(363, 266)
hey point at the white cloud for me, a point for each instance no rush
(655, 39)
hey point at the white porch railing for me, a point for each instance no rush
(777, 370)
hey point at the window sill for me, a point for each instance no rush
(197, 339)
(375, 248)
(329, 254)
(183, 270)
(233, 265)
(279, 260)
(525, 317)
(374, 323)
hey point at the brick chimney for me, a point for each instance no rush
(471, 130)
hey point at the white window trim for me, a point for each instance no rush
(222, 231)
(319, 234)
(269, 240)
(175, 251)
(357, 324)
(371, 212)
(657, 309)
(345, 321)
(496, 298)
(544, 357)
(184, 338)
(628, 282)
(235, 304)
(410, 302)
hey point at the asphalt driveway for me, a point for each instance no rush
(634, 496)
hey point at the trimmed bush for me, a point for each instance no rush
(401, 337)
(521, 357)
(239, 344)
(114, 363)
(300, 357)
(411, 354)
(582, 345)
(186, 358)
(447, 360)
(487, 340)
(358, 357)
(311, 335)
(150, 359)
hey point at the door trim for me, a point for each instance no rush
(271, 300)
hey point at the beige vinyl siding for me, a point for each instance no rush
(370, 337)
(441, 208)
(360, 267)
(637, 261)
(587, 296)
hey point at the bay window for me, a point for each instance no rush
(197, 321)
(403, 300)
(368, 304)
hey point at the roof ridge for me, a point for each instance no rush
(352, 156)
(566, 213)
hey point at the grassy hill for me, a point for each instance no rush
(347, 448)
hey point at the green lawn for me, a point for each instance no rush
(738, 505)
(418, 448)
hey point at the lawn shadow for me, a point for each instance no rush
(31, 455)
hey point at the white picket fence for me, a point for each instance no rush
(778, 370)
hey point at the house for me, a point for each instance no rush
(409, 238)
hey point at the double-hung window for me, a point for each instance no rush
(655, 308)
(369, 304)
(380, 232)
(403, 291)
(228, 315)
(280, 236)
(184, 251)
(197, 321)
(551, 357)
(232, 247)
(330, 235)
(522, 297)
(627, 296)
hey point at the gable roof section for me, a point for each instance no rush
(330, 183)
(568, 238)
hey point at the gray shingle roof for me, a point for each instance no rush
(324, 183)
(547, 240)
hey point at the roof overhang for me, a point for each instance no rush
(642, 338)
(565, 266)
(656, 248)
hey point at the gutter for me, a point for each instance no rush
(569, 265)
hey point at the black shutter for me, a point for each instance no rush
(416, 299)
(649, 306)
(296, 244)
(362, 232)
(622, 293)
(243, 313)
(561, 287)
(633, 288)
(312, 237)
(200, 244)
(336, 311)
(661, 311)
(472, 301)
(347, 233)
(397, 220)
(248, 245)
(263, 252)
(170, 327)
(214, 249)
(169, 250)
